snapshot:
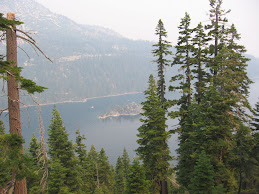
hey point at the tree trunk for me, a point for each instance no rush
(164, 187)
(13, 97)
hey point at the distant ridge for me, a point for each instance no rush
(89, 61)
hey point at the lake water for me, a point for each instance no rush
(112, 134)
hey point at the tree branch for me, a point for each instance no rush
(34, 44)
(26, 35)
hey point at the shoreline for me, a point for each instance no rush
(86, 99)
(117, 115)
(79, 101)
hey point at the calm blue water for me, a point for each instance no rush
(112, 134)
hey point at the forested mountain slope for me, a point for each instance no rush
(89, 61)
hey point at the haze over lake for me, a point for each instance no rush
(112, 134)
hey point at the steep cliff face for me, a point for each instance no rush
(88, 60)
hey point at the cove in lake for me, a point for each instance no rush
(112, 134)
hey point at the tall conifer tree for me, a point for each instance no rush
(57, 178)
(216, 121)
(217, 31)
(126, 162)
(61, 150)
(153, 148)
(136, 181)
(202, 181)
(81, 152)
(161, 51)
(34, 180)
(183, 57)
(92, 165)
(120, 180)
(200, 60)
(105, 173)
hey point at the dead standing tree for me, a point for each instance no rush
(19, 187)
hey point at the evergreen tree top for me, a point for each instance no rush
(162, 45)
(56, 118)
(217, 10)
(160, 29)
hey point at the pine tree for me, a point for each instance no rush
(105, 172)
(11, 159)
(34, 148)
(161, 51)
(34, 180)
(217, 31)
(202, 181)
(126, 162)
(183, 58)
(136, 181)
(216, 134)
(81, 152)
(232, 84)
(10, 72)
(81, 148)
(61, 150)
(243, 157)
(153, 148)
(120, 181)
(92, 171)
(57, 178)
(200, 60)
(215, 122)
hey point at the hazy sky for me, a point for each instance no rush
(137, 19)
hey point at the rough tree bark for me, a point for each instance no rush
(13, 97)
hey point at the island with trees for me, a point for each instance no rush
(131, 109)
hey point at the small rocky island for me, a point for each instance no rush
(129, 110)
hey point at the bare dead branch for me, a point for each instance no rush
(30, 43)
(2, 110)
(34, 44)
(26, 34)
(10, 73)
(27, 112)
(3, 90)
(24, 51)
(43, 154)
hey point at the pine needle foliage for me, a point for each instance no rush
(153, 148)
(62, 155)
(161, 51)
